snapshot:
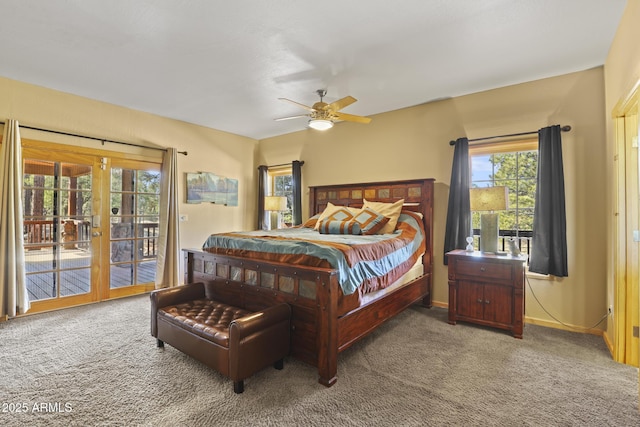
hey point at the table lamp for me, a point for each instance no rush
(275, 204)
(487, 200)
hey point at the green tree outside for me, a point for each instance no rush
(517, 171)
(283, 186)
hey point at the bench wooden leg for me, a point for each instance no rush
(238, 386)
(160, 343)
(279, 364)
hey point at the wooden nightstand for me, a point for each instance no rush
(487, 290)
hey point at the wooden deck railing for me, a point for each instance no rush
(523, 236)
(77, 235)
(149, 240)
(38, 233)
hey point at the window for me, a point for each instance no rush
(281, 184)
(514, 165)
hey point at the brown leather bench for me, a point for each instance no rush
(233, 341)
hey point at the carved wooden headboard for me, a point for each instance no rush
(417, 195)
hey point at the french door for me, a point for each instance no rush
(90, 225)
(133, 212)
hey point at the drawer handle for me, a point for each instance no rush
(487, 301)
(480, 300)
(482, 269)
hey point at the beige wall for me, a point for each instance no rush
(622, 73)
(414, 143)
(209, 150)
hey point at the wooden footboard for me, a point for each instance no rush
(318, 333)
(311, 292)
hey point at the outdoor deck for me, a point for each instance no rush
(75, 272)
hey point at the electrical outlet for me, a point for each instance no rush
(610, 310)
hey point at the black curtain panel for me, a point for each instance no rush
(549, 243)
(296, 171)
(459, 210)
(263, 178)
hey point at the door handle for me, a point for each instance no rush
(96, 234)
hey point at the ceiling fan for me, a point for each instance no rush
(322, 115)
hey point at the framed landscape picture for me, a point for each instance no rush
(207, 187)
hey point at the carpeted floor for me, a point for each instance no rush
(98, 365)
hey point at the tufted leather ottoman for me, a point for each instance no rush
(234, 341)
(208, 318)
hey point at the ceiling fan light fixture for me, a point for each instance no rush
(320, 124)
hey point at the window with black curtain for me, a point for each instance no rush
(514, 165)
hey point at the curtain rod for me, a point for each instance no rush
(283, 164)
(566, 128)
(103, 140)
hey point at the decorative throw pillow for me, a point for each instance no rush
(340, 214)
(331, 208)
(371, 222)
(327, 226)
(390, 210)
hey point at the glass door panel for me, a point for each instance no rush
(57, 207)
(134, 216)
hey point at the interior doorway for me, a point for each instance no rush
(626, 314)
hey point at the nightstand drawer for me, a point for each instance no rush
(480, 270)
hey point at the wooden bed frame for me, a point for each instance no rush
(319, 333)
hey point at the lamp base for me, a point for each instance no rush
(489, 233)
(275, 220)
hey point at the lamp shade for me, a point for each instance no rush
(320, 124)
(489, 198)
(275, 203)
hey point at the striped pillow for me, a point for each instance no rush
(328, 226)
(370, 221)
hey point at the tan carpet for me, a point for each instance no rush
(98, 365)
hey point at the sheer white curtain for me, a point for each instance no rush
(168, 262)
(14, 298)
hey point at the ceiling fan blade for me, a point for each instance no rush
(291, 117)
(297, 103)
(352, 118)
(341, 103)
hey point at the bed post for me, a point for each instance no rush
(327, 330)
(427, 259)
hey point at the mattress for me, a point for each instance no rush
(364, 263)
(347, 303)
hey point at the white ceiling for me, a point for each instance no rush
(223, 64)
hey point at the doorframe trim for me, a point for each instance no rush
(626, 106)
